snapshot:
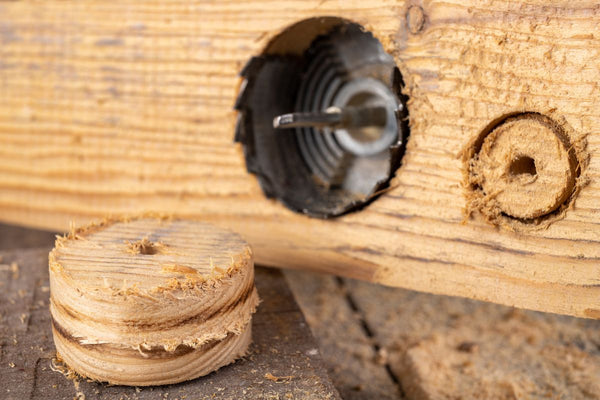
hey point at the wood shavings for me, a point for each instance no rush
(57, 365)
(13, 268)
(278, 379)
(79, 395)
(178, 269)
(145, 246)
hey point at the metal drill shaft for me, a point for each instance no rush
(318, 119)
(334, 118)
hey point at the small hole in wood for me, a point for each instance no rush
(145, 247)
(522, 165)
(148, 249)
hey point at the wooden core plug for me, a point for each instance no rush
(151, 301)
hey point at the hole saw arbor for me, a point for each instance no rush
(128, 106)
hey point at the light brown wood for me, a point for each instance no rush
(282, 343)
(525, 171)
(441, 347)
(113, 108)
(151, 301)
(445, 348)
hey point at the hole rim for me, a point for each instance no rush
(246, 133)
(475, 194)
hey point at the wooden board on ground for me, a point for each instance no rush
(354, 363)
(120, 107)
(284, 361)
(401, 334)
(16, 237)
(443, 348)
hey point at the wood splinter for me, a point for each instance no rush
(151, 301)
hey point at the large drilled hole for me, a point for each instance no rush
(340, 118)
(522, 165)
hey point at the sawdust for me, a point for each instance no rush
(14, 269)
(58, 365)
(178, 269)
(145, 246)
(278, 379)
(79, 395)
(442, 347)
(447, 348)
(355, 367)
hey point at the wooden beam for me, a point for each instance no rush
(127, 107)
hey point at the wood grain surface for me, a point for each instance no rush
(282, 346)
(127, 107)
(151, 301)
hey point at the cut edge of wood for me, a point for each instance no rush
(166, 334)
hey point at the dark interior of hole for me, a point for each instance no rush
(522, 165)
(148, 248)
(273, 84)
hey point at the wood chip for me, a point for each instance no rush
(278, 379)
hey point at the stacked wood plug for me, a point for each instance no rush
(151, 301)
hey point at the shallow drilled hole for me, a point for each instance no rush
(148, 249)
(145, 247)
(523, 165)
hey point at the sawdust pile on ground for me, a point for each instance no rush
(348, 353)
(441, 347)
(499, 354)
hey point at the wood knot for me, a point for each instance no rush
(415, 19)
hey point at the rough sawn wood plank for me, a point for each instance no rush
(112, 108)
